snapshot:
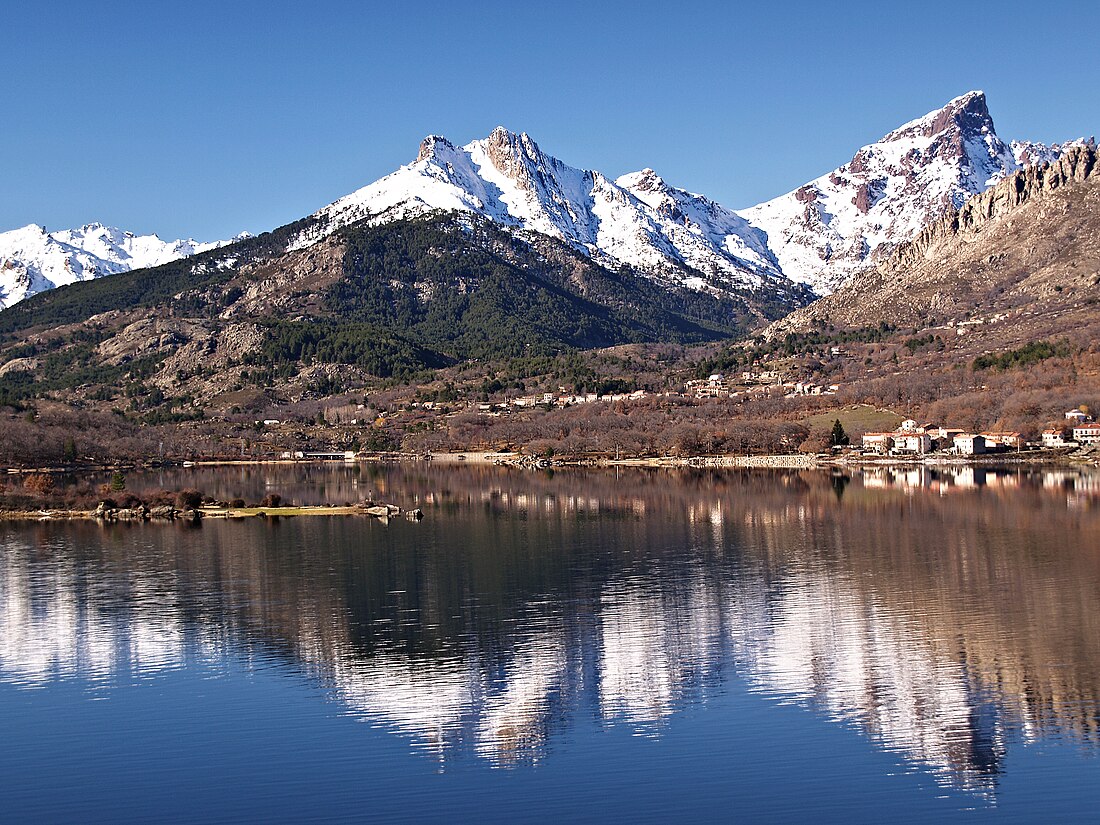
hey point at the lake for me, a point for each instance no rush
(579, 646)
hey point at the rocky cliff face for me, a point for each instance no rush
(1027, 251)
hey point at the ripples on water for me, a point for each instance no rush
(947, 617)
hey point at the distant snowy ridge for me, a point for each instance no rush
(669, 234)
(33, 260)
(829, 228)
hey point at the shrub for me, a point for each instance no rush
(40, 484)
(160, 498)
(130, 501)
(271, 500)
(188, 499)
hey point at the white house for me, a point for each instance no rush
(908, 442)
(1054, 438)
(877, 442)
(1088, 434)
(1078, 417)
(969, 444)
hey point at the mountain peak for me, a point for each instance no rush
(968, 114)
(645, 180)
(504, 145)
(824, 231)
(38, 260)
(429, 146)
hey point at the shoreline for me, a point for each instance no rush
(383, 512)
(521, 460)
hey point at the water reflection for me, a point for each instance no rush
(944, 613)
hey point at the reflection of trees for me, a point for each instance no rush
(939, 614)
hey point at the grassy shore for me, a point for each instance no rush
(46, 514)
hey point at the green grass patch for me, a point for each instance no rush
(861, 418)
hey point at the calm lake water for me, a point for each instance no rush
(569, 647)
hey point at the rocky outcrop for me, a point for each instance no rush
(1078, 164)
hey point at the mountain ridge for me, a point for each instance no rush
(816, 236)
(507, 178)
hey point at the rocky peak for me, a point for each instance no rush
(967, 113)
(644, 181)
(1011, 248)
(513, 154)
(430, 145)
(1077, 164)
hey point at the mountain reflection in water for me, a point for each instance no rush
(945, 614)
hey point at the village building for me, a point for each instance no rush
(943, 438)
(1003, 440)
(970, 444)
(917, 443)
(1078, 417)
(877, 442)
(1087, 434)
(715, 386)
(762, 377)
(1054, 437)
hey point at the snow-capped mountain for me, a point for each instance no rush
(825, 230)
(815, 236)
(670, 234)
(33, 260)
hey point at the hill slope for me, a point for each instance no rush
(364, 302)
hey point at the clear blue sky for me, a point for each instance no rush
(202, 119)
